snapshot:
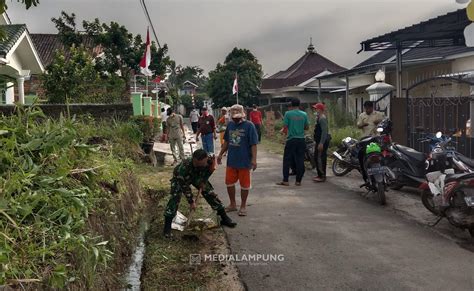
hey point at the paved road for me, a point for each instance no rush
(333, 238)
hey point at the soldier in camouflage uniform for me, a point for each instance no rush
(194, 171)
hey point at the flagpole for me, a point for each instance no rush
(237, 88)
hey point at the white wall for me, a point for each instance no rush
(463, 64)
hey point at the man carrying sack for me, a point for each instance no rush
(194, 171)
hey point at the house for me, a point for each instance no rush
(420, 59)
(188, 88)
(47, 45)
(301, 80)
(418, 64)
(432, 73)
(19, 60)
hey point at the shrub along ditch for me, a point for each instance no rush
(69, 200)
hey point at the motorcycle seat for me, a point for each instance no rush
(414, 154)
(469, 162)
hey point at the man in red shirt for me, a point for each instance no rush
(256, 118)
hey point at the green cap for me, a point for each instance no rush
(373, 148)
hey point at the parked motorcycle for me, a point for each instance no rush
(408, 165)
(346, 157)
(447, 194)
(376, 151)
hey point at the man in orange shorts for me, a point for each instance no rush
(240, 141)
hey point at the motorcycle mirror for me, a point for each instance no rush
(379, 129)
(439, 134)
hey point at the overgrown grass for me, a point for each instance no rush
(166, 263)
(69, 200)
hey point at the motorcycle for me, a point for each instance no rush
(408, 165)
(376, 153)
(447, 194)
(346, 157)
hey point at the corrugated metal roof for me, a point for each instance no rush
(441, 31)
(414, 54)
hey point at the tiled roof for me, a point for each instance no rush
(48, 44)
(308, 66)
(12, 34)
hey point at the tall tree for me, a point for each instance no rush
(249, 71)
(122, 51)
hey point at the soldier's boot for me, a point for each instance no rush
(225, 220)
(167, 227)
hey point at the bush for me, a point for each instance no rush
(149, 126)
(338, 134)
(67, 202)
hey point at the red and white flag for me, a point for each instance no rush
(235, 88)
(146, 60)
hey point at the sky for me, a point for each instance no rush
(202, 32)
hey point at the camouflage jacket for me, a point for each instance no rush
(185, 175)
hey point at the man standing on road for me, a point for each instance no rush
(207, 130)
(194, 118)
(176, 133)
(194, 171)
(369, 119)
(256, 119)
(295, 123)
(240, 140)
(321, 139)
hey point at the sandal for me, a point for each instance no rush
(230, 209)
(242, 212)
(283, 183)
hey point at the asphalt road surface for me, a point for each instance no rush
(330, 236)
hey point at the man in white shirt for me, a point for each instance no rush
(164, 117)
(194, 118)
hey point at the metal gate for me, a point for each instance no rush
(440, 104)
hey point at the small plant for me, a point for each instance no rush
(149, 126)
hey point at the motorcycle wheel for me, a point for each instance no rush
(381, 192)
(427, 200)
(339, 169)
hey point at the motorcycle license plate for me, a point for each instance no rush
(376, 171)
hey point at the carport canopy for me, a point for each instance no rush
(442, 31)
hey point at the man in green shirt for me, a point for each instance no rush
(295, 124)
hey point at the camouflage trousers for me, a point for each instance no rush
(175, 198)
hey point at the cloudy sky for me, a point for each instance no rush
(202, 32)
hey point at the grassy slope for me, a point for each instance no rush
(166, 262)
